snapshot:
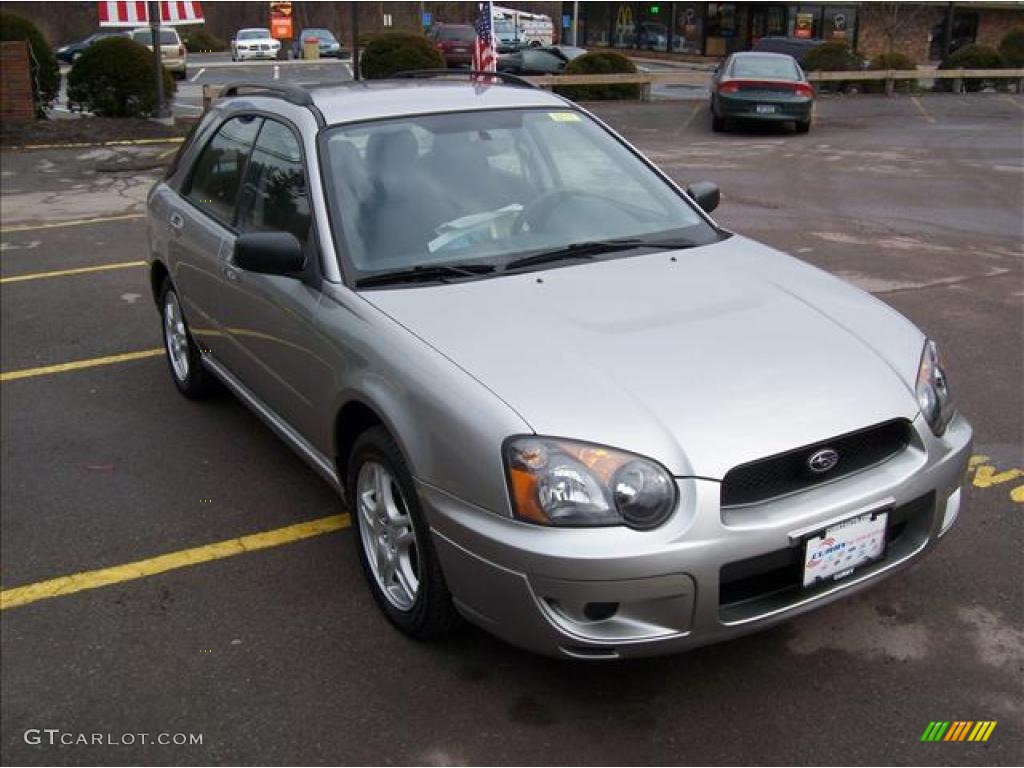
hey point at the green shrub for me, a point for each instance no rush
(1011, 47)
(42, 62)
(972, 56)
(600, 63)
(897, 61)
(202, 40)
(394, 52)
(114, 78)
(834, 56)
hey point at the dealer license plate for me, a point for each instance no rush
(766, 109)
(835, 554)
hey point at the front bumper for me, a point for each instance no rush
(707, 575)
(258, 54)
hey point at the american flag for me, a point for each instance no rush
(485, 57)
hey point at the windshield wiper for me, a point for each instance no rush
(591, 248)
(425, 273)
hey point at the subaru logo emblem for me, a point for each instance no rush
(822, 461)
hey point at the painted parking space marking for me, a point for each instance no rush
(76, 365)
(114, 143)
(140, 569)
(986, 474)
(70, 223)
(921, 109)
(1016, 102)
(69, 272)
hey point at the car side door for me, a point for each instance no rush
(201, 225)
(270, 317)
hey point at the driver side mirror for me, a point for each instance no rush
(706, 194)
(270, 253)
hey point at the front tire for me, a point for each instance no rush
(393, 540)
(183, 357)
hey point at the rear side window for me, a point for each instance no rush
(276, 197)
(217, 174)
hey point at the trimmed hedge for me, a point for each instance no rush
(202, 40)
(972, 56)
(42, 62)
(114, 78)
(834, 56)
(393, 52)
(600, 63)
(1011, 47)
(897, 61)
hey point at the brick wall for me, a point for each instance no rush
(15, 83)
(994, 24)
(898, 28)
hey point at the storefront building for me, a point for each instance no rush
(718, 29)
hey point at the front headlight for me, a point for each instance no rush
(564, 482)
(933, 395)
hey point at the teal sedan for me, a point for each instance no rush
(767, 87)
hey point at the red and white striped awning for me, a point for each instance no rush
(134, 13)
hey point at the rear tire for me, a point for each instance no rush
(803, 127)
(183, 357)
(717, 123)
(393, 540)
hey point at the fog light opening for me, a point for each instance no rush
(600, 611)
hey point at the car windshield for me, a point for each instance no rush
(457, 33)
(254, 34)
(323, 35)
(144, 36)
(774, 67)
(472, 187)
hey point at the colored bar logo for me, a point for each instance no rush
(958, 730)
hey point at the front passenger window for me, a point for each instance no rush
(276, 199)
(217, 176)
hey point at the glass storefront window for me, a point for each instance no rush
(688, 34)
(652, 27)
(840, 23)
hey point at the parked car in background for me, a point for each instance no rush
(172, 51)
(328, 43)
(652, 35)
(761, 86)
(254, 43)
(455, 42)
(558, 398)
(547, 60)
(69, 54)
(797, 47)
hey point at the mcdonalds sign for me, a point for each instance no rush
(281, 20)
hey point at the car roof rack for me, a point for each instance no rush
(505, 77)
(293, 94)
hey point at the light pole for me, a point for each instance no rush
(158, 68)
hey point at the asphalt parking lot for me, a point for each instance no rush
(270, 646)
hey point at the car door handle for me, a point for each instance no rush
(177, 221)
(231, 273)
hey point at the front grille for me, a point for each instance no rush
(774, 580)
(789, 472)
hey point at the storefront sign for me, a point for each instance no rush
(804, 25)
(281, 20)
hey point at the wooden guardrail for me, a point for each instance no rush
(646, 79)
(700, 78)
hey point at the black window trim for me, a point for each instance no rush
(313, 248)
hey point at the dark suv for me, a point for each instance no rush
(455, 42)
(797, 47)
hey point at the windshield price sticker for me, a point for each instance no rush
(564, 117)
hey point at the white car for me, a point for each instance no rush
(255, 43)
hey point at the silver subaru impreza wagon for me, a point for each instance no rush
(558, 399)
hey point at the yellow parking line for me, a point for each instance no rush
(921, 109)
(686, 123)
(66, 272)
(105, 577)
(115, 143)
(1016, 102)
(71, 223)
(45, 370)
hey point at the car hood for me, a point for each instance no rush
(728, 353)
